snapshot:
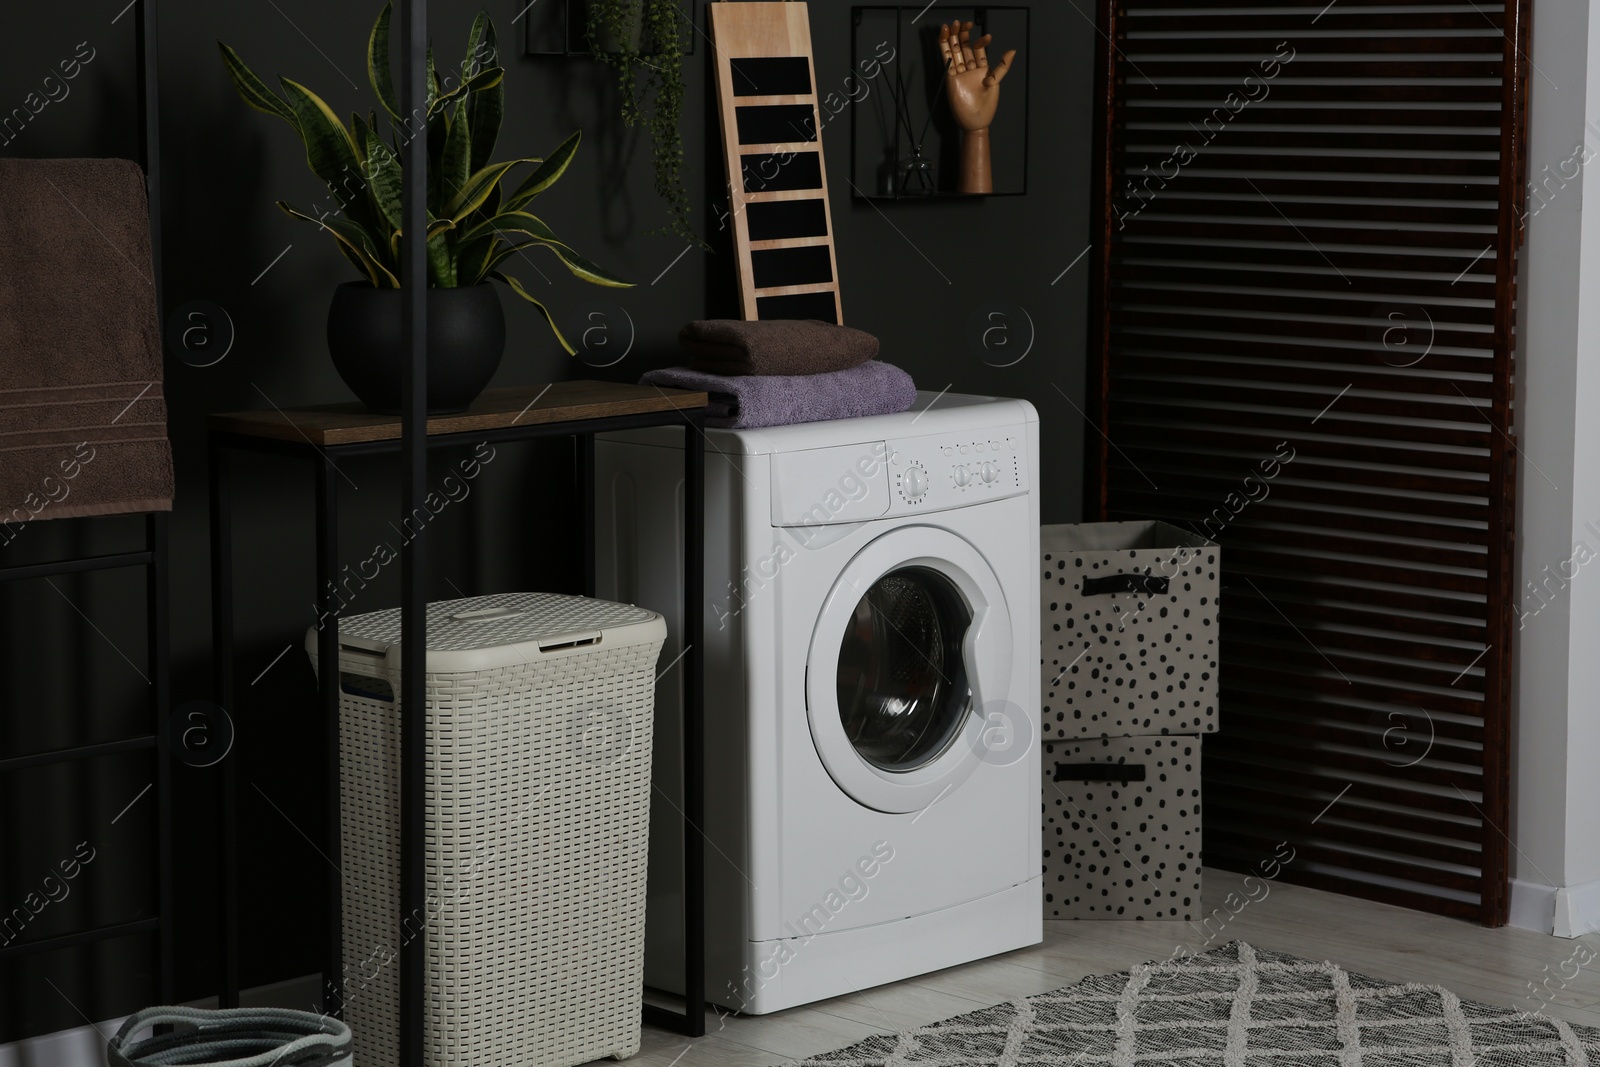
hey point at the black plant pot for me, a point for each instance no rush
(466, 338)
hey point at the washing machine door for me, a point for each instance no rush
(912, 645)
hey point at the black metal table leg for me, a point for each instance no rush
(694, 1004)
(328, 692)
(584, 445)
(222, 680)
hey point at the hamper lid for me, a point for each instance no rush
(484, 632)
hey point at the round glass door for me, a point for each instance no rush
(903, 691)
(911, 639)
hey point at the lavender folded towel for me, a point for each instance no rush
(748, 401)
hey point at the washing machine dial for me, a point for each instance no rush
(914, 482)
(991, 472)
(963, 477)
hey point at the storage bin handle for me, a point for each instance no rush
(1149, 584)
(488, 615)
(1100, 772)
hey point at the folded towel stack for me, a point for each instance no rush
(783, 371)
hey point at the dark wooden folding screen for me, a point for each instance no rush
(1305, 285)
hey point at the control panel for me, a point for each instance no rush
(931, 473)
(845, 484)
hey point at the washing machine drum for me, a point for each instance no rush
(910, 661)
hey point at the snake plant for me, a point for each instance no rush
(475, 220)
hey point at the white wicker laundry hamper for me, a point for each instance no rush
(538, 799)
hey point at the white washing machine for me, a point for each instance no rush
(872, 693)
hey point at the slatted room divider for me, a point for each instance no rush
(1306, 276)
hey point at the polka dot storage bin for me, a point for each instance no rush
(1128, 632)
(540, 715)
(1122, 828)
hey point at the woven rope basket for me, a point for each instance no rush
(538, 796)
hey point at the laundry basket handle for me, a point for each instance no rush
(488, 614)
(222, 1036)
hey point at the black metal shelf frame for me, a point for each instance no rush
(325, 462)
(154, 558)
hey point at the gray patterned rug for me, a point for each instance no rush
(1233, 1007)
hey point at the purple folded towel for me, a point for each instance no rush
(748, 401)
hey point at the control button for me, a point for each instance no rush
(949, 451)
(963, 450)
(963, 476)
(914, 482)
(991, 472)
(978, 447)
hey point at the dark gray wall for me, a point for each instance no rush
(914, 274)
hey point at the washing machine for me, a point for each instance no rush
(872, 693)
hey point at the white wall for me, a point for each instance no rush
(1556, 731)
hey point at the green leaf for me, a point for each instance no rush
(553, 167)
(358, 261)
(475, 258)
(378, 72)
(253, 89)
(384, 180)
(356, 239)
(358, 133)
(455, 162)
(588, 270)
(441, 264)
(485, 110)
(484, 79)
(514, 221)
(479, 56)
(477, 188)
(330, 152)
(488, 102)
(516, 287)
(433, 84)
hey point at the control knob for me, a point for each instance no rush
(914, 482)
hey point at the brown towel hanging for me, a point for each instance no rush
(83, 418)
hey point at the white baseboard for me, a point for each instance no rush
(1565, 911)
(85, 1046)
(1533, 906)
(1577, 910)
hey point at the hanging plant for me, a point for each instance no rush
(643, 42)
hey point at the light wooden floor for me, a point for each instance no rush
(1493, 966)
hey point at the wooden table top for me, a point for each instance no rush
(348, 424)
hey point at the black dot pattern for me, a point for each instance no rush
(1115, 850)
(1120, 664)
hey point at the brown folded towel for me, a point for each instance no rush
(775, 346)
(83, 422)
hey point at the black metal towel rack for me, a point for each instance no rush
(153, 558)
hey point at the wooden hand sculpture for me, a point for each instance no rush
(974, 91)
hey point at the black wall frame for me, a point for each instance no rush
(1305, 273)
(153, 558)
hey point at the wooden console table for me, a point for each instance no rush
(325, 434)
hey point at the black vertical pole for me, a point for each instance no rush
(222, 675)
(150, 131)
(413, 561)
(328, 690)
(694, 695)
(159, 637)
(584, 444)
(160, 643)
